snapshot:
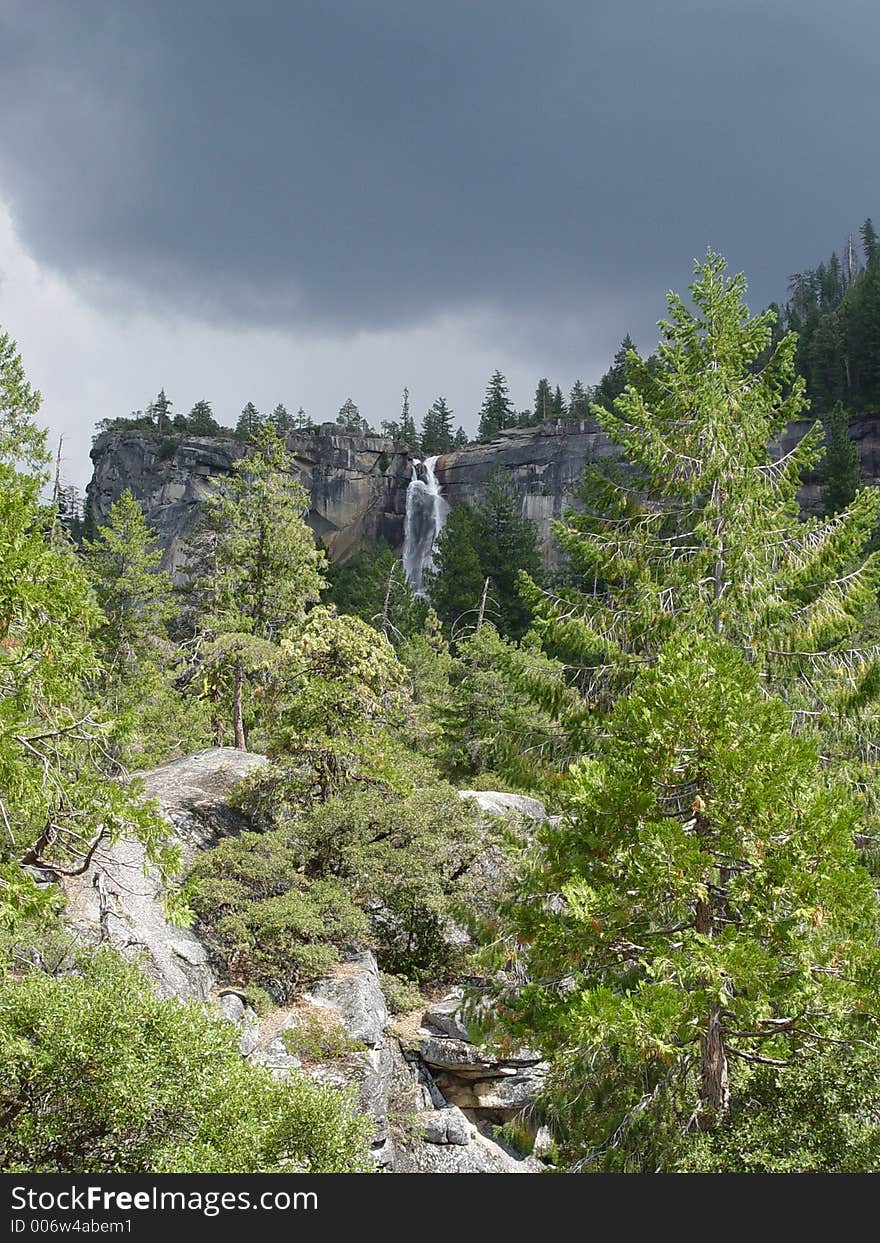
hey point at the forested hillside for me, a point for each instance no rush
(608, 830)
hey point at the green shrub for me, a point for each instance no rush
(373, 866)
(401, 995)
(320, 1038)
(99, 1075)
(820, 1115)
(270, 925)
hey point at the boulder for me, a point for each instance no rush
(499, 803)
(356, 993)
(462, 1057)
(480, 1156)
(443, 1016)
(193, 793)
(444, 1126)
(119, 901)
(234, 1008)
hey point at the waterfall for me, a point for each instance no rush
(426, 512)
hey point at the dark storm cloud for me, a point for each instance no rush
(360, 163)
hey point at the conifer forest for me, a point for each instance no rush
(686, 931)
(439, 614)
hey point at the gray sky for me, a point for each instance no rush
(304, 200)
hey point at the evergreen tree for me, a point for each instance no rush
(249, 422)
(496, 412)
(841, 469)
(436, 434)
(408, 433)
(578, 401)
(870, 244)
(460, 438)
(614, 380)
(349, 419)
(138, 684)
(456, 584)
(559, 407)
(686, 539)
(201, 421)
(697, 561)
(161, 409)
(371, 585)
(507, 546)
(135, 595)
(543, 401)
(254, 569)
(58, 799)
(704, 905)
(281, 420)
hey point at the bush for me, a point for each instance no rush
(372, 866)
(400, 994)
(99, 1075)
(821, 1115)
(271, 926)
(320, 1038)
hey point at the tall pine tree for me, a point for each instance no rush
(496, 412)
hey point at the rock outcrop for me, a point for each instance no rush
(433, 1096)
(357, 484)
(119, 903)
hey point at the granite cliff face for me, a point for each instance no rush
(357, 484)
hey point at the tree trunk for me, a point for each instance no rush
(715, 1078)
(237, 719)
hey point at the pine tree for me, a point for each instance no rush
(870, 244)
(701, 593)
(249, 422)
(559, 407)
(496, 413)
(254, 570)
(614, 380)
(456, 584)
(687, 539)
(201, 421)
(578, 401)
(436, 434)
(58, 799)
(349, 418)
(841, 470)
(281, 420)
(135, 595)
(408, 433)
(139, 660)
(699, 909)
(161, 410)
(460, 439)
(543, 401)
(507, 546)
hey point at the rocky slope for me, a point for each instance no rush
(433, 1095)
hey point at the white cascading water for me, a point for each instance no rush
(426, 512)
